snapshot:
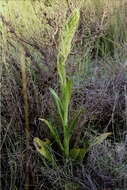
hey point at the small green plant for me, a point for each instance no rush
(62, 103)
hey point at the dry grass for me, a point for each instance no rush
(99, 48)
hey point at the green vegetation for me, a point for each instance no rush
(62, 103)
(69, 68)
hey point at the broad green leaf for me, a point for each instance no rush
(99, 139)
(58, 103)
(77, 154)
(74, 153)
(43, 148)
(54, 133)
